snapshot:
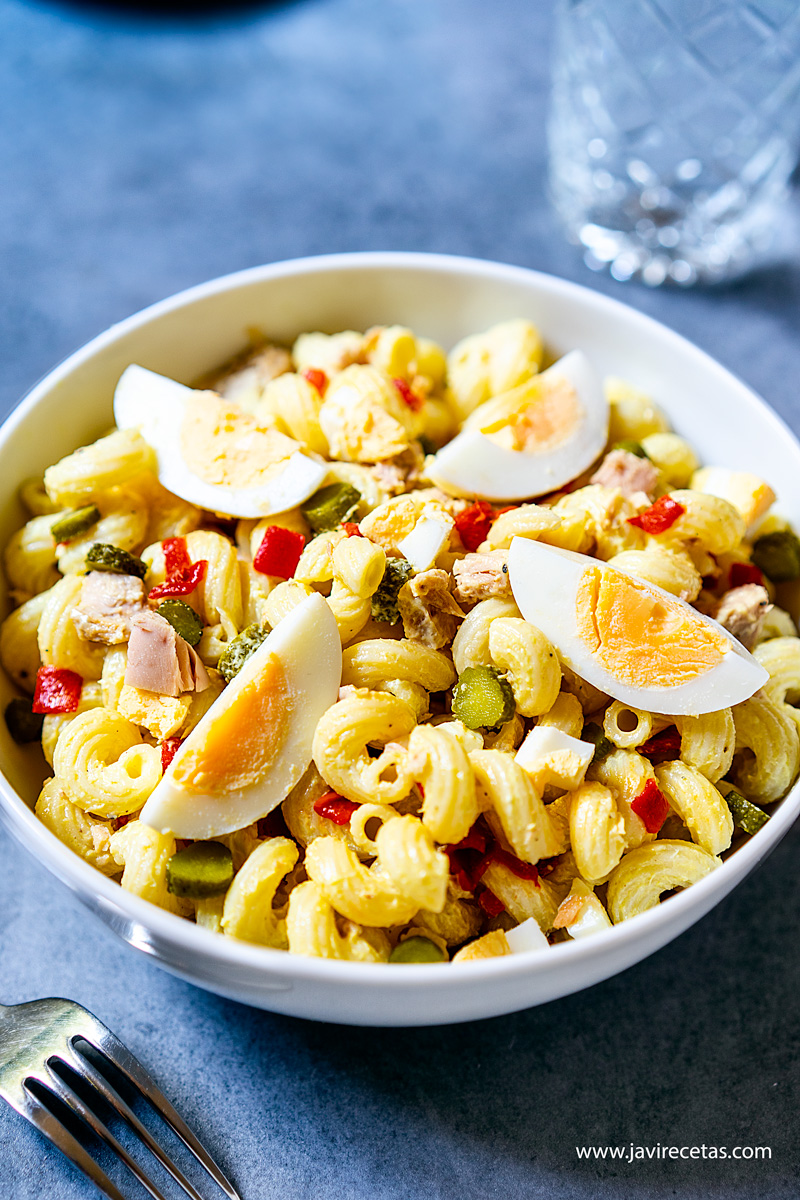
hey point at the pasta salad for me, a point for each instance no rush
(366, 651)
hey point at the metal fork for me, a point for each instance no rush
(41, 1035)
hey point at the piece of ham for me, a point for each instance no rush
(428, 609)
(742, 611)
(481, 576)
(108, 605)
(626, 471)
(160, 660)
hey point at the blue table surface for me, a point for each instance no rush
(142, 154)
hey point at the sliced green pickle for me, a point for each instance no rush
(183, 619)
(74, 523)
(482, 698)
(602, 746)
(384, 600)
(234, 657)
(747, 816)
(632, 447)
(331, 505)
(417, 950)
(200, 870)
(104, 557)
(23, 723)
(778, 555)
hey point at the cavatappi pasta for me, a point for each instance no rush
(466, 779)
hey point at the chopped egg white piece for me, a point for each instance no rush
(530, 440)
(630, 639)
(526, 936)
(553, 757)
(426, 541)
(254, 743)
(591, 916)
(212, 453)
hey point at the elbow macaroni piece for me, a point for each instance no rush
(673, 456)
(670, 569)
(409, 859)
(697, 802)
(707, 519)
(144, 854)
(19, 642)
(597, 831)
(625, 726)
(438, 761)
(359, 565)
(362, 894)
(219, 594)
(633, 415)
(369, 663)
(85, 836)
(471, 643)
(248, 913)
(296, 403)
(707, 742)
(771, 734)
(30, 556)
(350, 611)
(645, 873)
(106, 463)
(104, 766)
(781, 658)
(54, 725)
(311, 929)
(627, 774)
(525, 655)
(340, 747)
(565, 714)
(510, 792)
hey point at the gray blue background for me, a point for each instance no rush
(140, 154)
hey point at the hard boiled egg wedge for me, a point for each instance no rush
(628, 638)
(254, 743)
(531, 440)
(212, 453)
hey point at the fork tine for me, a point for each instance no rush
(132, 1069)
(65, 1093)
(63, 1140)
(88, 1071)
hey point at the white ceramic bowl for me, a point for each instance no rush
(443, 298)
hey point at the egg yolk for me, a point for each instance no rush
(244, 740)
(644, 640)
(542, 425)
(223, 445)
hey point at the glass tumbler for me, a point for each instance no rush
(673, 132)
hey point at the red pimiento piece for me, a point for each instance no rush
(474, 523)
(664, 747)
(651, 807)
(279, 552)
(351, 529)
(743, 573)
(521, 869)
(335, 808)
(169, 748)
(318, 379)
(659, 516)
(492, 905)
(408, 395)
(183, 576)
(57, 690)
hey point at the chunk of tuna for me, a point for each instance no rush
(481, 576)
(429, 611)
(742, 611)
(161, 661)
(107, 606)
(626, 471)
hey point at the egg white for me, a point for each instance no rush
(474, 465)
(156, 406)
(308, 645)
(545, 580)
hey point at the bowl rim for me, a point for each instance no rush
(192, 939)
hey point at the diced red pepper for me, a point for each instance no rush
(183, 576)
(169, 748)
(57, 690)
(492, 905)
(335, 808)
(519, 868)
(351, 529)
(474, 523)
(651, 807)
(744, 573)
(659, 516)
(279, 552)
(408, 395)
(318, 379)
(663, 747)
(421, 790)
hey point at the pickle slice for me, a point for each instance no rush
(417, 950)
(183, 619)
(200, 870)
(104, 557)
(234, 657)
(483, 698)
(331, 505)
(74, 523)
